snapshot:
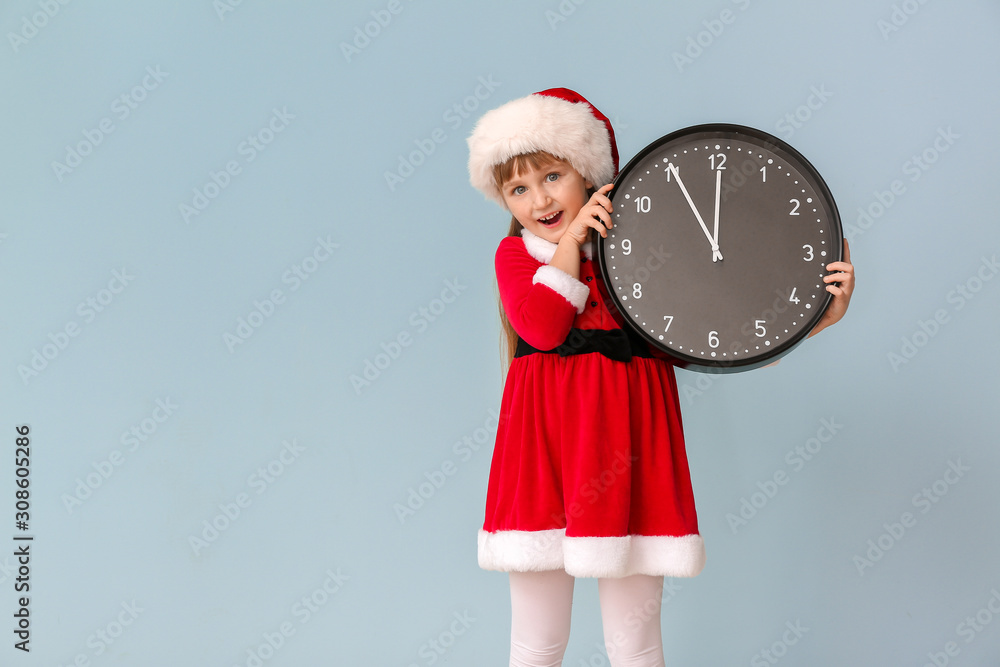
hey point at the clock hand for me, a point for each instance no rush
(716, 255)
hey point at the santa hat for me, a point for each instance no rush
(558, 121)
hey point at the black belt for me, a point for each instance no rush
(615, 344)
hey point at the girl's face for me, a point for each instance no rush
(546, 199)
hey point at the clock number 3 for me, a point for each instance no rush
(809, 253)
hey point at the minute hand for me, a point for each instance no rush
(716, 255)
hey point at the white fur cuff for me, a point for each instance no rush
(564, 284)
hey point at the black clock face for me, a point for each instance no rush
(721, 238)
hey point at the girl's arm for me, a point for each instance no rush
(541, 301)
(595, 214)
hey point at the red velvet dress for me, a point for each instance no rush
(589, 471)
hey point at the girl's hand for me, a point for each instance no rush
(843, 274)
(596, 214)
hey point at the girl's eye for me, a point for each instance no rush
(520, 190)
(552, 177)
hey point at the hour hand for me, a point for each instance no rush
(716, 255)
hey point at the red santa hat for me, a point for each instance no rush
(558, 121)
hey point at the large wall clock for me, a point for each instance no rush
(721, 238)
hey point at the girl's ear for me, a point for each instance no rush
(590, 186)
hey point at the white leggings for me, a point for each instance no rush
(540, 614)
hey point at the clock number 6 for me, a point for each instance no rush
(713, 339)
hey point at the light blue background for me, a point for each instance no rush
(365, 449)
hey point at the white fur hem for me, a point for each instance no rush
(534, 551)
(543, 250)
(564, 284)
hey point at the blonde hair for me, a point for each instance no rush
(502, 173)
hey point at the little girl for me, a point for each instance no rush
(589, 476)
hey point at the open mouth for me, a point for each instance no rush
(552, 219)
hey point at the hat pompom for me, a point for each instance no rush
(557, 121)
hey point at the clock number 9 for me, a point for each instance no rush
(713, 339)
(626, 247)
(643, 204)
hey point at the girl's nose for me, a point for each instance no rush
(542, 198)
